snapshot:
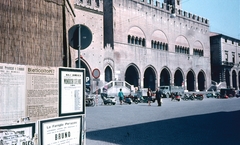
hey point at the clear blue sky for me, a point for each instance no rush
(223, 15)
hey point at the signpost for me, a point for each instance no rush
(96, 75)
(80, 37)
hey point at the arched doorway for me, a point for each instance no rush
(88, 74)
(165, 78)
(108, 74)
(132, 76)
(227, 78)
(239, 80)
(149, 79)
(178, 78)
(234, 79)
(201, 81)
(190, 81)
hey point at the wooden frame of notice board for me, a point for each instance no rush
(71, 91)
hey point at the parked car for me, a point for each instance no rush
(227, 93)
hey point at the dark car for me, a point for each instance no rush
(227, 93)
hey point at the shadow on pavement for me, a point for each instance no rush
(221, 128)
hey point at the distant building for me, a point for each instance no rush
(225, 60)
(138, 41)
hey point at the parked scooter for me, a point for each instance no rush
(187, 97)
(90, 101)
(175, 96)
(196, 96)
(127, 100)
(108, 100)
(134, 98)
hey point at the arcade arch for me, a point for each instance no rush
(190, 81)
(165, 77)
(132, 75)
(201, 81)
(234, 79)
(178, 78)
(227, 78)
(149, 78)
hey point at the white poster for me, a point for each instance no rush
(12, 93)
(65, 131)
(42, 92)
(72, 91)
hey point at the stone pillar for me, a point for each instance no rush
(185, 86)
(196, 88)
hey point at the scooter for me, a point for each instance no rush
(198, 97)
(127, 100)
(175, 96)
(108, 100)
(134, 98)
(90, 101)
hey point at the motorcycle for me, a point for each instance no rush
(108, 100)
(187, 97)
(127, 100)
(175, 96)
(198, 97)
(90, 101)
(134, 98)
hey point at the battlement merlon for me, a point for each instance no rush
(95, 5)
(168, 9)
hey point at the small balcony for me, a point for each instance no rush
(226, 63)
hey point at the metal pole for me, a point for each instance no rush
(79, 45)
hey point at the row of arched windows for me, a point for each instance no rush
(198, 52)
(89, 2)
(181, 49)
(159, 45)
(136, 40)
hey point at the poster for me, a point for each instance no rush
(12, 93)
(17, 134)
(65, 131)
(42, 92)
(71, 91)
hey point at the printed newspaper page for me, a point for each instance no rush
(12, 93)
(62, 131)
(72, 91)
(42, 92)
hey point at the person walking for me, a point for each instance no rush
(159, 96)
(121, 96)
(149, 95)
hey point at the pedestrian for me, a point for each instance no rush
(149, 95)
(121, 96)
(159, 96)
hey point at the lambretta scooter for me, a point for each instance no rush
(108, 100)
(127, 100)
(175, 96)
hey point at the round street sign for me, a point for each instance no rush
(85, 35)
(96, 73)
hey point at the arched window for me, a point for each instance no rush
(140, 41)
(132, 40)
(143, 42)
(155, 44)
(97, 3)
(136, 40)
(129, 39)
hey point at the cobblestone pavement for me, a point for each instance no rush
(207, 122)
